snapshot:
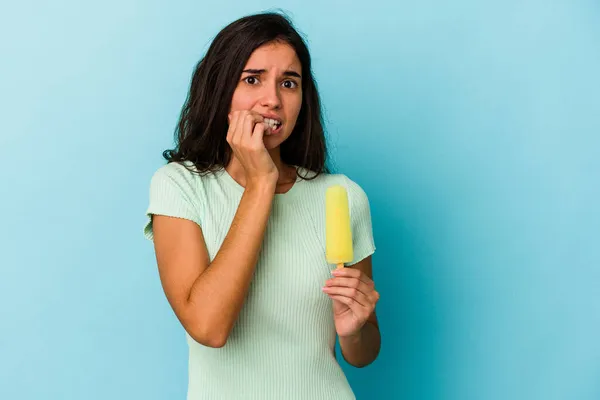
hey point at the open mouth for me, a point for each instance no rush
(273, 126)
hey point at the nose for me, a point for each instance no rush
(271, 96)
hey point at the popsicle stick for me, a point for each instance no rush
(340, 266)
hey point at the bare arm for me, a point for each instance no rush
(363, 348)
(207, 296)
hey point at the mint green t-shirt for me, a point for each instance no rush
(282, 345)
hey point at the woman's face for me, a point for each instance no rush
(271, 85)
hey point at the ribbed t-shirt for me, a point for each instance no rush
(282, 346)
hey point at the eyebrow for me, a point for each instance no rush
(262, 71)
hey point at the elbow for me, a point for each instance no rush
(208, 337)
(211, 341)
(215, 341)
(361, 364)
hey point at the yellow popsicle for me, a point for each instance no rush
(338, 234)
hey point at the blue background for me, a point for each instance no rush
(473, 126)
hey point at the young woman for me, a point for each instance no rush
(237, 218)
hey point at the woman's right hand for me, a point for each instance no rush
(245, 136)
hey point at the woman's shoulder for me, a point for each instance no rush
(177, 170)
(183, 173)
(327, 179)
(357, 196)
(179, 177)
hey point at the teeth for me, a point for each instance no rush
(272, 123)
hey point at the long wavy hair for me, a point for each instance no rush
(201, 132)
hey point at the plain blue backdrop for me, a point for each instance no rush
(473, 127)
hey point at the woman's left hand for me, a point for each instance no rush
(354, 298)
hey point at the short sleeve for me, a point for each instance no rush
(361, 224)
(173, 194)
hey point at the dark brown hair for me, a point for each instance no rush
(202, 129)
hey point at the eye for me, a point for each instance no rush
(251, 80)
(289, 84)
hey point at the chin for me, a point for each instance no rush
(273, 141)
